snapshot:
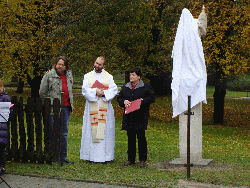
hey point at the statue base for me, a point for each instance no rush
(195, 138)
(182, 161)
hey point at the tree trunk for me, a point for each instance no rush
(219, 97)
(35, 82)
(20, 86)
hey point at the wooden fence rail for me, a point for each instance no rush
(30, 141)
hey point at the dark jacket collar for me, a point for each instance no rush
(140, 84)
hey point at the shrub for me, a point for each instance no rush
(239, 84)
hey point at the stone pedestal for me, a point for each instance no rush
(195, 138)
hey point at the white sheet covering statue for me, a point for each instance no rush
(189, 70)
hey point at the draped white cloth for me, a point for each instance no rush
(103, 151)
(189, 75)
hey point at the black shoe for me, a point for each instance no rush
(2, 171)
(128, 163)
(143, 164)
(68, 161)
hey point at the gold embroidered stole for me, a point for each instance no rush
(98, 115)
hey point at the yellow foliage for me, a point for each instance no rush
(227, 40)
(31, 35)
(24, 35)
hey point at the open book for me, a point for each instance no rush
(135, 105)
(99, 85)
(4, 111)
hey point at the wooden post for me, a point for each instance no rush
(38, 122)
(47, 130)
(56, 110)
(22, 133)
(14, 138)
(30, 129)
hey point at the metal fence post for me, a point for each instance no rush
(188, 113)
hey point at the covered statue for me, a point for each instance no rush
(189, 70)
(189, 79)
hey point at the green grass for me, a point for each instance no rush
(228, 145)
(229, 94)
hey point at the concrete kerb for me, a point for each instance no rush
(81, 180)
(69, 182)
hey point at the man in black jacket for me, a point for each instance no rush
(135, 123)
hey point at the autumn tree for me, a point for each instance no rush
(226, 45)
(128, 33)
(24, 41)
(120, 30)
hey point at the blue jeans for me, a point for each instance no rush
(66, 115)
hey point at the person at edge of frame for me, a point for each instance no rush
(4, 133)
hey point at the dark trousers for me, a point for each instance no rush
(66, 115)
(142, 145)
(2, 155)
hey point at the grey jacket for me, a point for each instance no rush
(51, 86)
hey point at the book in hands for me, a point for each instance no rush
(99, 85)
(5, 111)
(135, 105)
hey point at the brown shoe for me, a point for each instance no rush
(128, 163)
(143, 164)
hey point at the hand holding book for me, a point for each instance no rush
(100, 87)
(134, 105)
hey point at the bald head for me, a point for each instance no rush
(99, 64)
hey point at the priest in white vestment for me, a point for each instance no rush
(98, 130)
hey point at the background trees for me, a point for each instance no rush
(24, 41)
(225, 46)
(128, 33)
(119, 29)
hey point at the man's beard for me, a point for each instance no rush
(98, 69)
(60, 70)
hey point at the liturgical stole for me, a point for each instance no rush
(98, 115)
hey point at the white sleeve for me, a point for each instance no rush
(112, 91)
(88, 93)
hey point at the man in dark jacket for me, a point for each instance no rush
(135, 123)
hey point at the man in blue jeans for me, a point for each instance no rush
(64, 125)
(59, 79)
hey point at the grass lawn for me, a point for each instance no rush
(228, 145)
